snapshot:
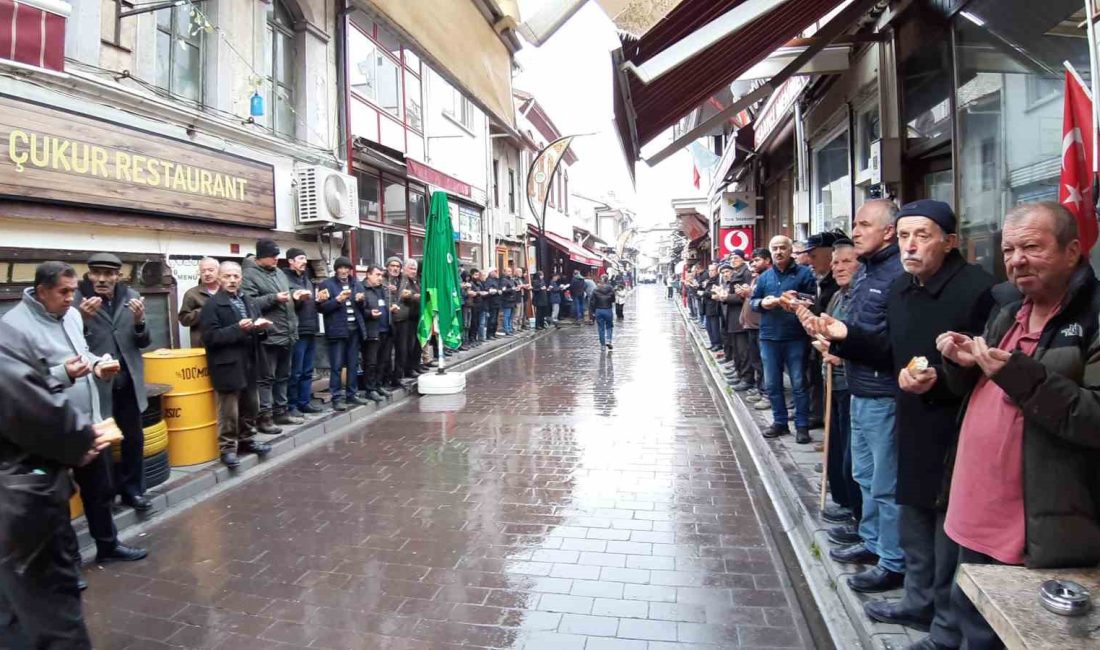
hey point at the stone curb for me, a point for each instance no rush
(209, 479)
(840, 607)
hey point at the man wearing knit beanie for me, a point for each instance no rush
(302, 291)
(269, 289)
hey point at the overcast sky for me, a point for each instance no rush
(570, 75)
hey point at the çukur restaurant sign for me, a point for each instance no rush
(53, 155)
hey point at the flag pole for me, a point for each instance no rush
(1090, 30)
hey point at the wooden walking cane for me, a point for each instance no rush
(828, 426)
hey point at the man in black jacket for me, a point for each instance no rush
(114, 324)
(711, 307)
(405, 306)
(736, 347)
(232, 333)
(476, 297)
(939, 292)
(576, 292)
(41, 436)
(492, 302)
(540, 298)
(300, 389)
(379, 340)
(819, 253)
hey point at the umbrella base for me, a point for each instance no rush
(433, 383)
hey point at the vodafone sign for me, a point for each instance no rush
(731, 239)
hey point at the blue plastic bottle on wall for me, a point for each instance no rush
(256, 108)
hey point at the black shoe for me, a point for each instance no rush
(876, 580)
(928, 644)
(355, 401)
(377, 395)
(395, 385)
(854, 554)
(259, 448)
(338, 405)
(836, 515)
(374, 397)
(138, 503)
(891, 612)
(382, 391)
(308, 409)
(802, 436)
(610, 347)
(817, 423)
(265, 424)
(230, 459)
(776, 430)
(844, 535)
(120, 553)
(81, 583)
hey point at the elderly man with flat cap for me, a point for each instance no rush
(114, 324)
(938, 292)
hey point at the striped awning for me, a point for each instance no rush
(32, 33)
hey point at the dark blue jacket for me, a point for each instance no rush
(335, 313)
(778, 324)
(375, 300)
(867, 311)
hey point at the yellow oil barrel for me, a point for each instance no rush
(76, 506)
(189, 408)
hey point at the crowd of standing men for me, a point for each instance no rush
(963, 411)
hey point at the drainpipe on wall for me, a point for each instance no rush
(343, 122)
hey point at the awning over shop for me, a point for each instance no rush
(459, 42)
(644, 110)
(575, 251)
(692, 224)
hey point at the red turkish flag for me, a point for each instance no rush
(1075, 187)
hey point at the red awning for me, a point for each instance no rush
(643, 111)
(575, 251)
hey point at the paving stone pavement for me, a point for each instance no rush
(571, 498)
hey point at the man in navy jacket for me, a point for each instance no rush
(340, 299)
(783, 342)
(873, 385)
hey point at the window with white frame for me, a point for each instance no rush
(179, 52)
(375, 74)
(458, 107)
(279, 68)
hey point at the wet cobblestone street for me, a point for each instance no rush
(571, 498)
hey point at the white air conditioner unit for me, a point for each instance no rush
(326, 197)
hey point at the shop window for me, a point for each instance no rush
(158, 320)
(180, 37)
(925, 71)
(416, 247)
(279, 69)
(370, 247)
(112, 29)
(368, 196)
(832, 186)
(412, 61)
(374, 74)
(418, 208)
(393, 245)
(1009, 112)
(868, 130)
(394, 204)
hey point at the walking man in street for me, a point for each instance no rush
(269, 289)
(783, 342)
(300, 388)
(232, 333)
(873, 384)
(603, 301)
(42, 435)
(1024, 487)
(406, 318)
(344, 331)
(46, 315)
(114, 324)
(589, 290)
(196, 297)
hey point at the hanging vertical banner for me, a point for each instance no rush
(541, 174)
